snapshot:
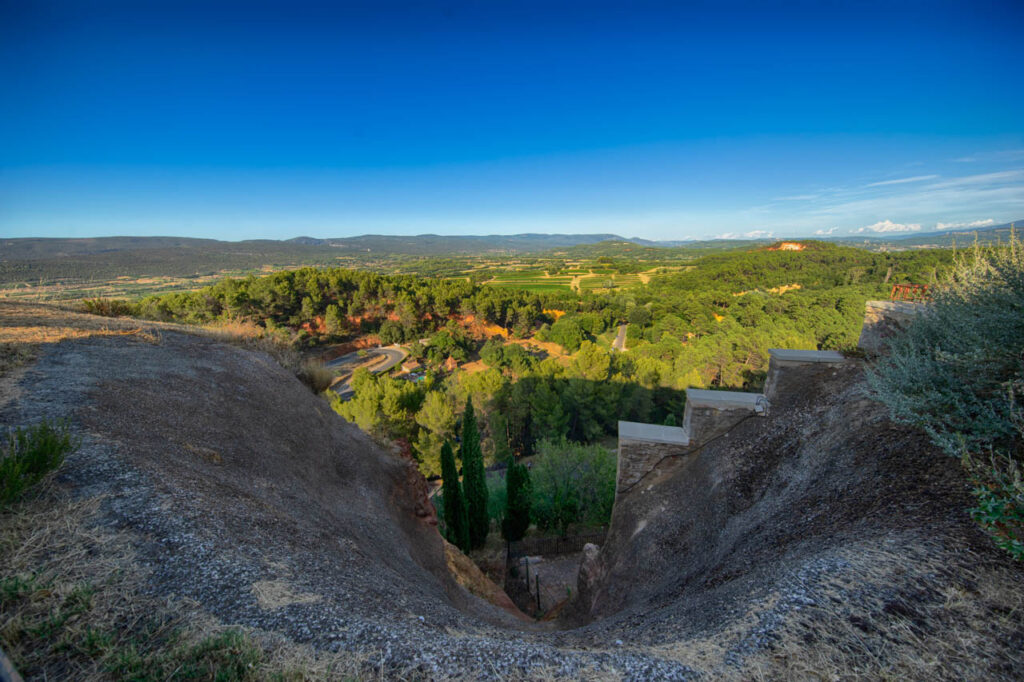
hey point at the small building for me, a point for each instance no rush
(411, 366)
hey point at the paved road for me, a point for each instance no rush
(620, 340)
(347, 364)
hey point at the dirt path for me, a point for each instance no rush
(619, 343)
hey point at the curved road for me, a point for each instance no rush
(348, 364)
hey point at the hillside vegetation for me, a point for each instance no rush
(958, 373)
(548, 370)
(218, 521)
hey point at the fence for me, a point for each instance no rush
(530, 592)
(909, 292)
(555, 546)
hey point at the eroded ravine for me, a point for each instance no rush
(236, 483)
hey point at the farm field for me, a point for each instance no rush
(577, 279)
(603, 280)
(531, 281)
(120, 287)
(535, 274)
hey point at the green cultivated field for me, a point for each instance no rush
(531, 281)
(600, 281)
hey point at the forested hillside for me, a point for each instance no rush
(542, 363)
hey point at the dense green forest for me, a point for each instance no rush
(709, 325)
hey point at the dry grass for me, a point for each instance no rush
(72, 606)
(234, 331)
(254, 337)
(892, 615)
(30, 324)
(14, 355)
(25, 326)
(938, 620)
(276, 594)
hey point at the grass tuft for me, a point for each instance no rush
(30, 454)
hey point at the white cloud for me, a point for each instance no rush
(973, 223)
(797, 197)
(888, 226)
(1001, 155)
(754, 234)
(997, 178)
(931, 203)
(830, 230)
(901, 181)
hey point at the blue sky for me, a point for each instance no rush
(658, 120)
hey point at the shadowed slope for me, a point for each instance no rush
(792, 532)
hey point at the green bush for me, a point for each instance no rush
(109, 307)
(958, 372)
(30, 453)
(1000, 510)
(572, 483)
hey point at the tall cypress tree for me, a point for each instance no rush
(517, 501)
(474, 478)
(455, 518)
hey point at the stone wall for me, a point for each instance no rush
(792, 377)
(641, 447)
(793, 374)
(708, 415)
(884, 319)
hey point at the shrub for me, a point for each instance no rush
(958, 372)
(492, 352)
(315, 375)
(31, 453)
(572, 483)
(109, 307)
(496, 496)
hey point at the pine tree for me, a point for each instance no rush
(517, 501)
(455, 518)
(474, 478)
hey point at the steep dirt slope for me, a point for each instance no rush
(247, 495)
(823, 533)
(248, 502)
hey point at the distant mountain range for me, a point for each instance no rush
(421, 245)
(434, 244)
(312, 250)
(936, 239)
